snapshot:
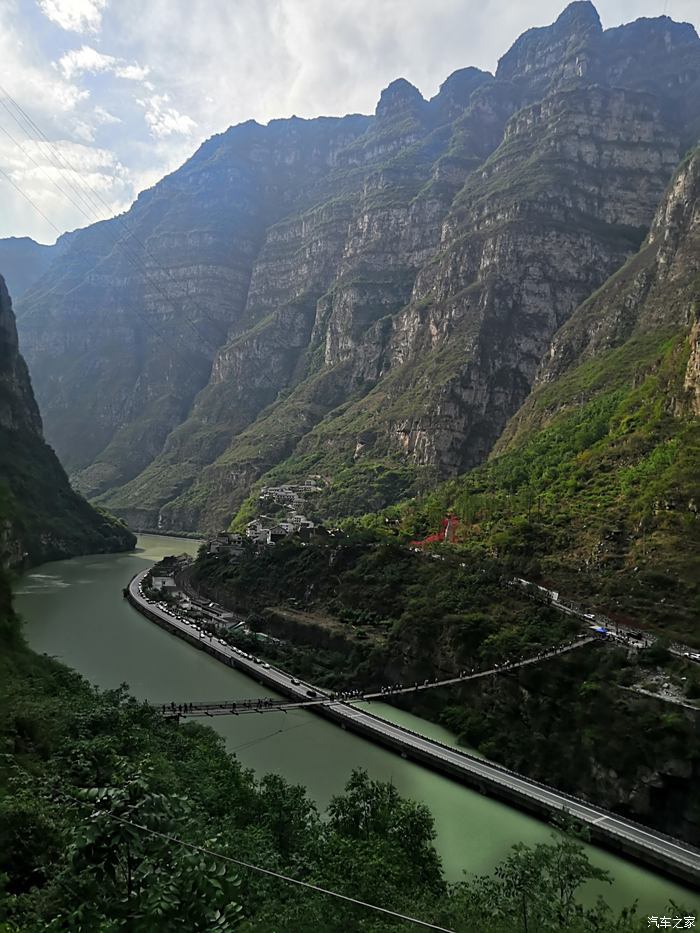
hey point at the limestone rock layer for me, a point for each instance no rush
(366, 298)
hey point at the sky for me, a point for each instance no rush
(126, 90)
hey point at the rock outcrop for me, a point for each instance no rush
(357, 294)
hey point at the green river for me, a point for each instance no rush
(74, 610)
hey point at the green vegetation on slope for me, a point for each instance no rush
(360, 613)
(405, 617)
(595, 488)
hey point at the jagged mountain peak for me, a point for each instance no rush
(358, 290)
(662, 30)
(581, 15)
(398, 98)
(456, 90)
(541, 55)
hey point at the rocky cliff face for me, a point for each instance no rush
(593, 484)
(40, 515)
(18, 409)
(659, 287)
(357, 296)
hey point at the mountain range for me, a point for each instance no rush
(372, 299)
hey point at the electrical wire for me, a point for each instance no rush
(41, 168)
(276, 874)
(27, 198)
(141, 319)
(270, 735)
(89, 194)
(426, 924)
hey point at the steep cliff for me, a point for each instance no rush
(367, 298)
(40, 515)
(595, 483)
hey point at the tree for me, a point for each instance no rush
(374, 810)
(128, 878)
(533, 890)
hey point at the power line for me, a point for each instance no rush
(43, 170)
(135, 260)
(426, 924)
(27, 198)
(269, 735)
(31, 135)
(91, 199)
(275, 874)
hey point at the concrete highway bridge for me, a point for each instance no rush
(673, 857)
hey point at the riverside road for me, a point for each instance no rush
(672, 856)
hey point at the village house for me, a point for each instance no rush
(299, 522)
(277, 533)
(226, 543)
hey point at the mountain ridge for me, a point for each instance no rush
(360, 293)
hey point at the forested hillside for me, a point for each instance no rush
(89, 781)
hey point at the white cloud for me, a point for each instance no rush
(67, 181)
(104, 117)
(28, 78)
(74, 15)
(164, 120)
(132, 72)
(87, 60)
(198, 66)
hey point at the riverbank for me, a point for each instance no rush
(661, 852)
(75, 610)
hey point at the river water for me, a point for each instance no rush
(74, 610)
